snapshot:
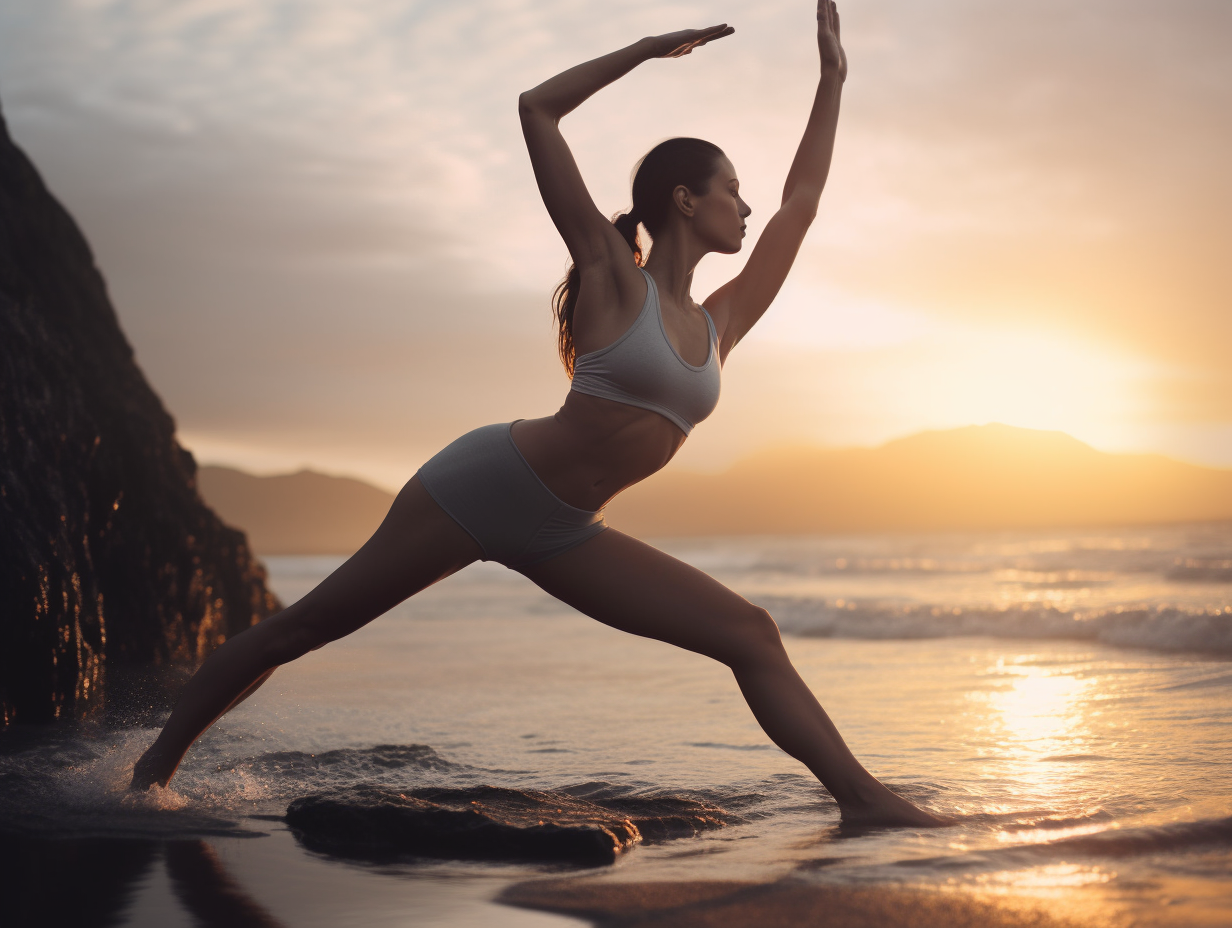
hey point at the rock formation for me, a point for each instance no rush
(107, 553)
(494, 823)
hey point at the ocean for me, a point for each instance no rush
(1066, 695)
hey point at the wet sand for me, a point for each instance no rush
(783, 904)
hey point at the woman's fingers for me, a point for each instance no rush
(702, 36)
(717, 32)
(680, 43)
(710, 32)
(726, 30)
(826, 12)
(828, 41)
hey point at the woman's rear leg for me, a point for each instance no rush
(416, 545)
(632, 586)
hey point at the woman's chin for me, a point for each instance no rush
(729, 247)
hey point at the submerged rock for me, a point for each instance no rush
(490, 823)
(107, 553)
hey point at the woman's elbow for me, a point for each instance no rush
(533, 106)
(529, 104)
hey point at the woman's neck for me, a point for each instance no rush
(672, 268)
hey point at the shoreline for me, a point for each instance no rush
(786, 903)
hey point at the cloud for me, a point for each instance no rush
(322, 235)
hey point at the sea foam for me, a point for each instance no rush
(1158, 628)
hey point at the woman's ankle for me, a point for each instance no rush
(863, 792)
(871, 802)
(155, 766)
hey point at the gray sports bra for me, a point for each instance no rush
(642, 368)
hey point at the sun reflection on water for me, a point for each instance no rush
(1056, 877)
(1036, 728)
(1040, 709)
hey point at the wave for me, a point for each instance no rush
(350, 762)
(67, 786)
(494, 823)
(1158, 628)
(1136, 842)
(1202, 570)
(75, 785)
(1114, 843)
(874, 566)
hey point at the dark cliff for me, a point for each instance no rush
(107, 553)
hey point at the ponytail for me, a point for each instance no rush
(669, 164)
(564, 298)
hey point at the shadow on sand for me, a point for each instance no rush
(91, 882)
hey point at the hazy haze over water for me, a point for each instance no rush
(323, 237)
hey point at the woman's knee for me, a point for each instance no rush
(757, 638)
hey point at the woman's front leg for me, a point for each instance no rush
(634, 587)
(416, 545)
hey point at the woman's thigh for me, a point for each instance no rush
(627, 584)
(416, 545)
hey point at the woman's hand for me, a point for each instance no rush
(833, 58)
(676, 44)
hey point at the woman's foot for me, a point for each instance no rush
(879, 806)
(151, 768)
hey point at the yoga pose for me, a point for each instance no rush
(645, 360)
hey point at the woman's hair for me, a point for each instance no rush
(677, 162)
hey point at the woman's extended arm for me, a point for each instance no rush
(739, 303)
(587, 233)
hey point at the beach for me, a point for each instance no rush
(1066, 696)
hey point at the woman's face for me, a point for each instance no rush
(719, 214)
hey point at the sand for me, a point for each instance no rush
(783, 904)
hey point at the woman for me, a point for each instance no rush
(645, 364)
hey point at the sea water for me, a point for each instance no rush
(1066, 695)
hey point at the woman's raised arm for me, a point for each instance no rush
(588, 234)
(739, 303)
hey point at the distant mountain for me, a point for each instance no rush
(979, 477)
(303, 513)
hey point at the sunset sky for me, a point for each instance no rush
(321, 232)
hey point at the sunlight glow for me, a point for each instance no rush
(1038, 725)
(1040, 710)
(1050, 880)
(1034, 380)
(859, 371)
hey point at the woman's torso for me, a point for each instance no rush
(596, 446)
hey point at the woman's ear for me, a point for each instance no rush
(683, 200)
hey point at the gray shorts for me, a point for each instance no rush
(487, 487)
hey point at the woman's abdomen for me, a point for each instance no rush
(593, 448)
